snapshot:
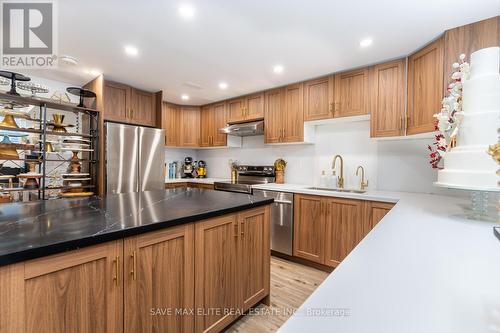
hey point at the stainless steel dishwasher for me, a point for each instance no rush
(281, 220)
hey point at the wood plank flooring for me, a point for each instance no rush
(291, 284)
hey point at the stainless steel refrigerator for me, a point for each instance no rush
(135, 158)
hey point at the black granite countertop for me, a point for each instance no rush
(37, 229)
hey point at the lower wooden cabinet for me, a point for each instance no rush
(190, 185)
(232, 262)
(327, 229)
(159, 281)
(195, 277)
(79, 291)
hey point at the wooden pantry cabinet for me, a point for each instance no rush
(425, 87)
(213, 118)
(126, 104)
(327, 229)
(284, 116)
(246, 108)
(77, 291)
(387, 88)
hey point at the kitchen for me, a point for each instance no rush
(189, 182)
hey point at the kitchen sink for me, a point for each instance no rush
(342, 190)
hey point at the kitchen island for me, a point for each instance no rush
(131, 262)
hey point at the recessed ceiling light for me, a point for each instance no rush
(94, 72)
(278, 69)
(366, 42)
(69, 60)
(131, 50)
(186, 11)
(223, 85)
(185, 97)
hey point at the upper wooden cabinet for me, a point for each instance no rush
(170, 121)
(213, 118)
(116, 101)
(125, 104)
(284, 114)
(143, 109)
(351, 93)
(467, 39)
(246, 108)
(425, 87)
(318, 98)
(189, 134)
(78, 291)
(159, 274)
(387, 87)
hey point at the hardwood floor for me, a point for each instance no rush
(291, 284)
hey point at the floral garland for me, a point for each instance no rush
(448, 119)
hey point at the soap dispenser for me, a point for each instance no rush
(323, 181)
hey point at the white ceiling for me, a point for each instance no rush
(239, 41)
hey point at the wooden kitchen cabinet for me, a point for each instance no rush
(254, 255)
(327, 229)
(246, 108)
(216, 245)
(351, 93)
(143, 109)
(387, 87)
(377, 211)
(467, 39)
(425, 87)
(78, 291)
(159, 274)
(284, 117)
(170, 123)
(126, 104)
(213, 118)
(309, 228)
(116, 101)
(343, 224)
(318, 98)
(232, 262)
(189, 134)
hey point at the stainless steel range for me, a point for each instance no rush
(248, 175)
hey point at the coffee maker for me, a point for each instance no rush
(188, 168)
(201, 169)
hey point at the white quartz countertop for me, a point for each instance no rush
(424, 268)
(195, 180)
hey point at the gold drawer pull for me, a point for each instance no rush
(133, 272)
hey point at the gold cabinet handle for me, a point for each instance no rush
(131, 113)
(133, 272)
(330, 108)
(117, 270)
(284, 134)
(236, 225)
(242, 226)
(400, 127)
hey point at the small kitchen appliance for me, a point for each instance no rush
(201, 169)
(188, 168)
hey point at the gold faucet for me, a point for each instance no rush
(363, 184)
(340, 179)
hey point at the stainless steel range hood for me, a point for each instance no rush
(244, 129)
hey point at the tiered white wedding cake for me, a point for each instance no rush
(468, 165)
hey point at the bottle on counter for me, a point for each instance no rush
(323, 180)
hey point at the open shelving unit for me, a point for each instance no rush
(51, 164)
